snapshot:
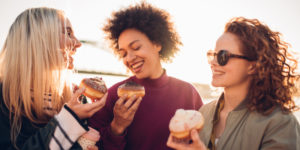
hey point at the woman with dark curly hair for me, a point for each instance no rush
(257, 72)
(143, 36)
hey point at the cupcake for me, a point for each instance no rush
(183, 122)
(90, 138)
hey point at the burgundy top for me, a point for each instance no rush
(150, 127)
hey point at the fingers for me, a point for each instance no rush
(92, 147)
(195, 136)
(74, 98)
(121, 100)
(175, 145)
(169, 142)
(135, 106)
(96, 106)
(129, 102)
(196, 140)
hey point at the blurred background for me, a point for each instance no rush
(199, 24)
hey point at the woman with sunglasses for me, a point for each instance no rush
(38, 109)
(254, 112)
(143, 36)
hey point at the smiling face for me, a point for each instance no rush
(236, 71)
(68, 42)
(139, 54)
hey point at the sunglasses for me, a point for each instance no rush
(223, 56)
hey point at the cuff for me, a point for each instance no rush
(68, 130)
(117, 138)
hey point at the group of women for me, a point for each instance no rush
(40, 108)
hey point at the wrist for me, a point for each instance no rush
(116, 129)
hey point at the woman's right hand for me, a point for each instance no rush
(197, 144)
(124, 111)
(84, 111)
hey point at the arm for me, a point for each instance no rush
(101, 121)
(60, 132)
(282, 133)
(196, 99)
(42, 137)
(113, 121)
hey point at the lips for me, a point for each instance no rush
(70, 58)
(136, 67)
(217, 73)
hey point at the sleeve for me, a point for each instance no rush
(57, 134)
(101, 121)
(69, 128)
(282, 134)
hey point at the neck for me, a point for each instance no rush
(158, 72)
(234, 95)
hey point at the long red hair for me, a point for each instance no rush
(274, 82)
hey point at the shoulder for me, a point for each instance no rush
(209, 107)
(276, 128)
(277, 117)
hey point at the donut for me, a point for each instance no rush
(95, 88)
(131, 88)
(183, 122)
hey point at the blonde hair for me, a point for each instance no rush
(32, 65)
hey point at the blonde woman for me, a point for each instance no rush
(38, 107)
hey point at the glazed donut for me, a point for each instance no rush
(95, 87)
(183, 122)
(131, 88)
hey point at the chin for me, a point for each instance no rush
(216, 84)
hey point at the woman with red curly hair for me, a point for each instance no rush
(255, 110)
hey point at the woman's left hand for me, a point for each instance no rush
(92, 148)
(84, 111)
(197, 144)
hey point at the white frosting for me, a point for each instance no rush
(184, 120)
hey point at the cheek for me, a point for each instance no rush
(124, 62)
(65, 43)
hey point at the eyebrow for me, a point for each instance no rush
(130, 44)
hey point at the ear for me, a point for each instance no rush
(157, 47)
(252, 68)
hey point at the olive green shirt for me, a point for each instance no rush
(250, 130)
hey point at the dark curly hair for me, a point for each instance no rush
(153, 22)
(274, 81)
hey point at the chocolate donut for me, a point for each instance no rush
(95, 88)
(131, 88)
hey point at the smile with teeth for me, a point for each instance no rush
(136, 67)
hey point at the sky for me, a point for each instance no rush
(198, 22)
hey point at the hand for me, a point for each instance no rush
(124, 111)
(84, 111)
(197, 144)
(92, 147)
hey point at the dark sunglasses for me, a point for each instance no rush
(223, 56)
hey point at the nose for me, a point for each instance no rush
(130, 56)
(77, 43)
(213, 60)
